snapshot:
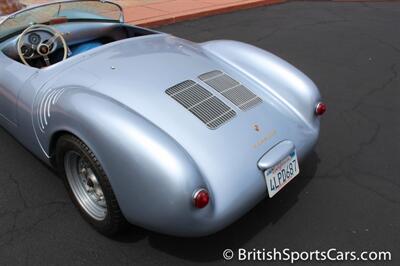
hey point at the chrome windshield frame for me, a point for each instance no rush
(32, 7)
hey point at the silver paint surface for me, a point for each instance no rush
(154, 151)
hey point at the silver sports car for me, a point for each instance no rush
(146, 128)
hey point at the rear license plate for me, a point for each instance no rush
(278, 176)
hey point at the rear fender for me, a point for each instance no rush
(152, 176)
(278, 77)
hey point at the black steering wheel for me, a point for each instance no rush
(42, 49)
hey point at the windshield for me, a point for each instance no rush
(72, 10)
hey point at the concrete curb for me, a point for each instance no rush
(203, 13)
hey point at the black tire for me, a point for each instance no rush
(114, 222)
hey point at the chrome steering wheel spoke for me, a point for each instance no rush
(46, 60)
(50, 41)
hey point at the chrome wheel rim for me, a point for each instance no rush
(85, 185)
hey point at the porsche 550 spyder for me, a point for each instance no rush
(146, 128)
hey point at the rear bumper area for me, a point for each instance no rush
(230, 200)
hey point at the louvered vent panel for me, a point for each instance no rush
(235, 92)
(200, 102)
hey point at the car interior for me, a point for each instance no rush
(79, 38)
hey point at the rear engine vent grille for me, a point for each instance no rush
(202, 103)
(235, 92)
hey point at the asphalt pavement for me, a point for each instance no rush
(347, 195)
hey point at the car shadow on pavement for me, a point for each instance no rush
(210, 248)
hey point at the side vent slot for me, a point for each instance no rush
(50, 98)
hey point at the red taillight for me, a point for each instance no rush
(201, 198)
(320, 109)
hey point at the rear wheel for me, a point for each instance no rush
(89, 186)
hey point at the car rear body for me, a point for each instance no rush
(157, 152)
